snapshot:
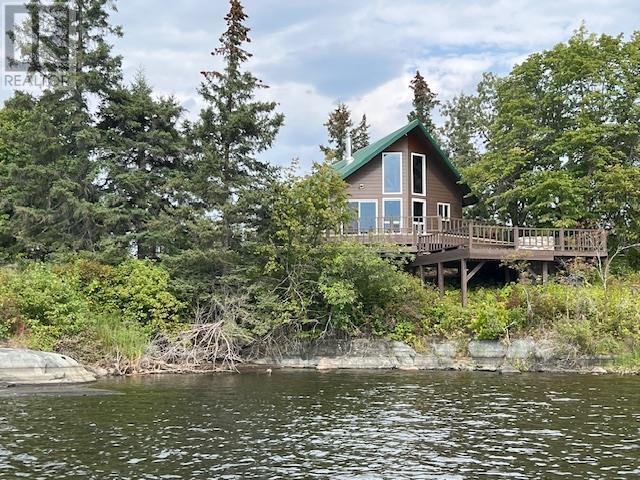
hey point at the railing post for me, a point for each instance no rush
(470, 234)
(562, 239)
(516, 236)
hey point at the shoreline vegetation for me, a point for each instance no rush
(135, 239)
(126, 319)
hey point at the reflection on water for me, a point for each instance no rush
(364, 425)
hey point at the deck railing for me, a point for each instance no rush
(431, 234)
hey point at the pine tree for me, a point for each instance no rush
(360, 134)
(424, 101)
(59, 208)
(233, 128)
(467, 122)
(338, 125)
(142, 161)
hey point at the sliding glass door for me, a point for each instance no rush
(366, 212)
(392, 215)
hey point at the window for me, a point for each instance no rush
(419, 208)
(392, 215)
(392, 172)
(419, 173)
(366, 216)
(444, 211)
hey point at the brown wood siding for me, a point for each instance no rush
(442, 186)
(441, 183)
(370, 178)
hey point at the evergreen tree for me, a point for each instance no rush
(467, 122)
(338, 125)
(58, 209)
(360, 134)
(142, 161)
(424, 101)
(233, 128)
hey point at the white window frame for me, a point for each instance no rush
(384, 154)
(424, 174)
(419, 226)
(384, 213)
(364, 200)
(448, 208)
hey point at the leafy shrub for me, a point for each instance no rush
(44, 302)
(136, 290)
(56, 301)
(363, 290)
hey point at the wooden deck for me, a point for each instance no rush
(435, 240)
(438, 242)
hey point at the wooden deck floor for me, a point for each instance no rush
(435, 240)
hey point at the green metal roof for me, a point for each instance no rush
(364, 155)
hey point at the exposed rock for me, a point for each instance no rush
(325, 364)
(444, 349)
(98, 372)
(376, 353)
(521, 349)
(508, 369)
(487, 349)
(598, 371)
(25, 367)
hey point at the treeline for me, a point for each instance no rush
(120, 220)
(99, 166)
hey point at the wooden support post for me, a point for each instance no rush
(545, 272)
(475, 270)
(421, 270)
(463, 281)
(507, 275)
(441, 279)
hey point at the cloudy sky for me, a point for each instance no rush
(314, 53)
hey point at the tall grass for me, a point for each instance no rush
(128, 340)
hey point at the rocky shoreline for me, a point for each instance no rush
(520, 355)
(28, 367)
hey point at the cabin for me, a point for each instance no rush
(405, 191)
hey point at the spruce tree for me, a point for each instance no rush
(360, 134)
(141, 158)
(424, 101)
(59, 208)
(338, 125)
(233, 128)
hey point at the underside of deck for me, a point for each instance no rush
(461, 243)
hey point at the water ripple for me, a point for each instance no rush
(345, 425)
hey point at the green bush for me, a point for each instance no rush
(137, 291)
(45, 303)
(362, 290)
(51, 302)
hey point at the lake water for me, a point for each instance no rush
(347, 425)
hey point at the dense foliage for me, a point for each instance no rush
(121, 222)
(556, 142)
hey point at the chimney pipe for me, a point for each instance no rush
(348, 149)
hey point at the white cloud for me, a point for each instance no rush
(364, 52)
